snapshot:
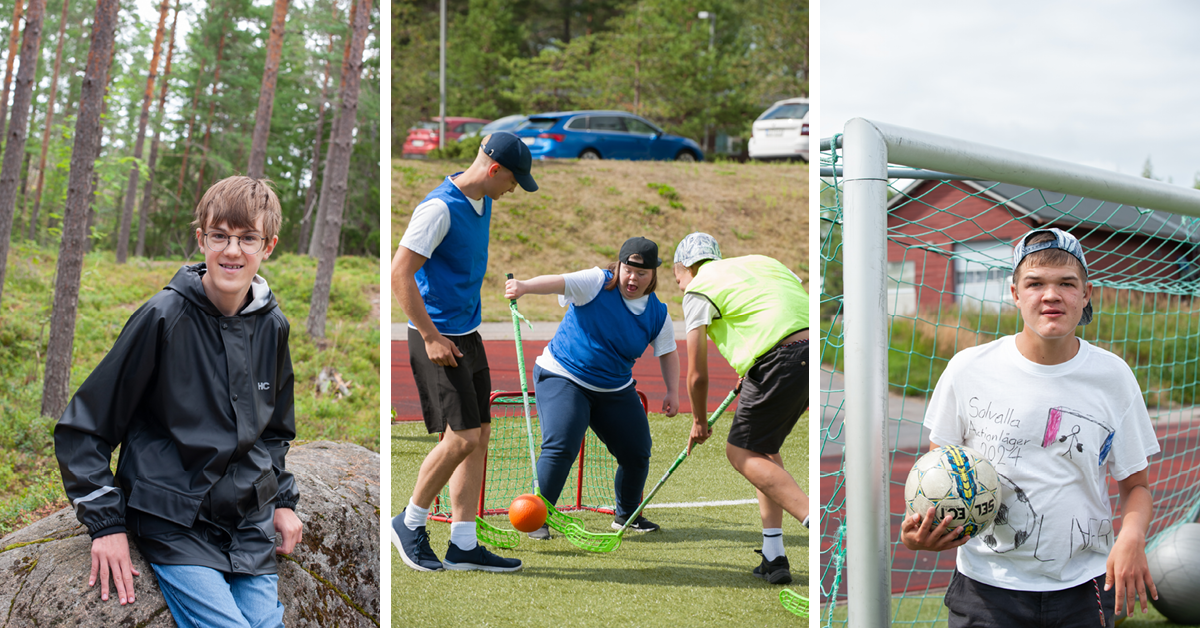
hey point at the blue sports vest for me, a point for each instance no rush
(599, 341)
(450, 280)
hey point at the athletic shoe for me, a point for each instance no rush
(541, 534)
(776, 571)
(641, 524)
(478, 559)
(414, 546)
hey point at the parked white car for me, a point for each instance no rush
(781, 132)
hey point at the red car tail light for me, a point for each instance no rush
(804, 129)
(558, 137)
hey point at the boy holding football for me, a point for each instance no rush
(1055, 415)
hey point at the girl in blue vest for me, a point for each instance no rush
(585, 376)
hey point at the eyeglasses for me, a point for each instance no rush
(250, 243)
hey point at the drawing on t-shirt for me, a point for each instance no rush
(1066, 426)
(1016, 522)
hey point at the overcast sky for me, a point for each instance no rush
(1097, 82)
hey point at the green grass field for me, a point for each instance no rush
(695, 571)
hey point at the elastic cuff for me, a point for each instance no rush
(286, 503)
(114, 529)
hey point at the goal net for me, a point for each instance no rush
(508, 472)
(949, 242)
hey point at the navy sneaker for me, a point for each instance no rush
(541, 534)
(776, 571)
(477, 559)
(414, 546)
(641, 524)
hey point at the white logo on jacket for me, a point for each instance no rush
(264, 385)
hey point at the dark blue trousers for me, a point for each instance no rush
(566, 409)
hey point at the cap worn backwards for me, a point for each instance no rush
(695, 247)
(642, 247)
(1063, 241)
(509, 151)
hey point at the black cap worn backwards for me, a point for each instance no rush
(643, 247)
(509, 151)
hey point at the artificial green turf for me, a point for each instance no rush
(695, 571)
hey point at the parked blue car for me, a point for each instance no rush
(602, 135)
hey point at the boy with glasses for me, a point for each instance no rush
(197, 392)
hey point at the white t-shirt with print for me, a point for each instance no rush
(580, 288)
(1054, 434)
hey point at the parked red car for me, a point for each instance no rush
(423, 137)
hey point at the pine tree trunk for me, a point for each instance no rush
(139, 143)
(56, 386)
(266, 95)
(14, 149)
(337, 166)
(318, 225)
(162, 100)
(41, 177)
(12, 55)
(310, 195)
(212, 109)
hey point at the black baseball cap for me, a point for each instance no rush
(645, 248)
(509, 151)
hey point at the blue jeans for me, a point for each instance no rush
(201, 597)
(566, 409)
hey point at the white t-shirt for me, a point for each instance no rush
(428, 227)
(583, 286)
(1054, 433)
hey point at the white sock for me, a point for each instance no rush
(414, 515)
(805, 522)
(462, 535)
(772, 543)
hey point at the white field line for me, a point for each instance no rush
(726, 502)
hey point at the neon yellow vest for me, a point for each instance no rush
(759, 302)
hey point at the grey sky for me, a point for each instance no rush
(1102, 83)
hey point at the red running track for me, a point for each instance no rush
(1173, 472)
(502, 359)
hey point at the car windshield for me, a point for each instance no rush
(425, 125)
(539, 124)
(787, 111)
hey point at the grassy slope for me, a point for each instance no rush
(583, 211)
(29, 478)
(694, 572)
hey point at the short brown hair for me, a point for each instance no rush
(612, 283)
(238, 202)
(1051, 257)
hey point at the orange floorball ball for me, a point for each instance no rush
(527, 513)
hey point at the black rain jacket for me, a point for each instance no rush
(201, 405)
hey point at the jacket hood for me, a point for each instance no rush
(187, 282)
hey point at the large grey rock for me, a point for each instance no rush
(332, 579)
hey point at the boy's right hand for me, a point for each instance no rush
(916, 533)
(442, 351)
(110, 554)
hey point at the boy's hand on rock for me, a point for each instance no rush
(110, 554)
(288, 525)
(917, 533)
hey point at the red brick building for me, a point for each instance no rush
(951, 241)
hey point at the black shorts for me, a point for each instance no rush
(454, 397)
(774, 395)
(974, 604)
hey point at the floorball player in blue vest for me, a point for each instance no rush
(436, 275)
(585, 375)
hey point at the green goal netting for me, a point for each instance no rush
(949, 247)
(508, 472)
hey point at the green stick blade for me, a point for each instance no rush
(496, 537)
(554, 516)
(602, 542)
(794, 602)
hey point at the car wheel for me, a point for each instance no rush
(685, 155)
(589, 154)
